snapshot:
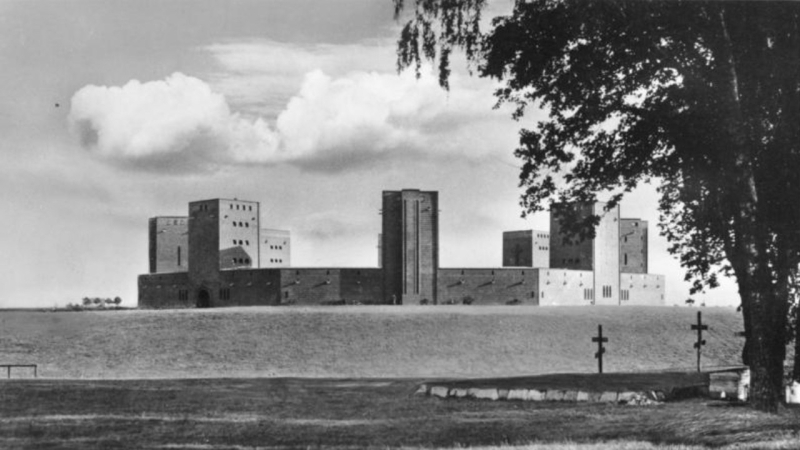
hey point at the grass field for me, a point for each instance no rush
(355, 413)
(361, 341)
(224, 378)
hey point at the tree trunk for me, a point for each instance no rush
(768, 311)
(796, 371)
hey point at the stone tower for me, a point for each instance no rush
(223, 235)
(410, 246)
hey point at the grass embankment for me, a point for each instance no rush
(365, 341)
(247, 413)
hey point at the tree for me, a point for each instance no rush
(700, 97)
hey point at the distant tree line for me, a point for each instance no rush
(95, 303)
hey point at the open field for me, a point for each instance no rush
(264, 413)
(197, 379)
(361, 341)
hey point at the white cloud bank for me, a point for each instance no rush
(332, 124)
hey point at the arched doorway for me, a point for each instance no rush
(203, 299)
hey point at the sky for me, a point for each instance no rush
(115, 112)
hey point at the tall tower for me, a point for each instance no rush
(223, 234)
(410, 246)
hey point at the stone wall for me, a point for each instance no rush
(566, 287)
(642, 289)
(276, 248)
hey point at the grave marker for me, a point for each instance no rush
(600, 350)
(700, 341)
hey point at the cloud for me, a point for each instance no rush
(331, 124)
(260, 76)
(174, 123)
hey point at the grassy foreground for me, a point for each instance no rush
(347, 413)
(365, 341)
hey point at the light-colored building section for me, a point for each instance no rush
(238, 234)
(526, 248)
(606, 256)
(642, 289)
(169, 243)
(559, 287)
(276, 248)
(633, 246)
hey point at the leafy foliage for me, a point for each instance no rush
(702, 97)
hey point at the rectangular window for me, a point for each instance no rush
(179, 256)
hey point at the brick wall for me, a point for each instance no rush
(249, 287)
(633, 246)
(526, 248)
(392, 246)
(363, 286)
(170, 290)
(168, 244)
(517, 248)
(319, 286)
(567, 251)
(204, 248)
(488, 286)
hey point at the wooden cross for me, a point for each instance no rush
(700, 341)
(600, 350)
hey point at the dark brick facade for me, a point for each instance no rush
(410, 246)
(204, 251)
(169, 243)
(169, 290)
(633, 246)
(488, 286)
(569, 252)
(266, 287)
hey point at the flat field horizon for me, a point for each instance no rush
(362, 341)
